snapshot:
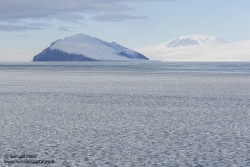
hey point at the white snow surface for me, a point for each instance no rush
(124, 114)
(198, 47)
(91, 47)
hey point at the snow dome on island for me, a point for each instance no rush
(82, 47)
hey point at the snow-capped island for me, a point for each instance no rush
(82, 47)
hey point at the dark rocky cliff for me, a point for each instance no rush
(57, 55)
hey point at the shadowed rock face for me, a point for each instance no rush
(138, 56)
(57, 55)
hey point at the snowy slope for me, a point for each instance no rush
(198, 47)
(88, 48)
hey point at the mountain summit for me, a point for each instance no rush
(196, 39)
(82, 47)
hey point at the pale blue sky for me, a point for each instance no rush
(30, 25)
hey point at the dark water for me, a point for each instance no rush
(150, 66)
(126, 113)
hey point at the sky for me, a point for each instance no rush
(33, 25)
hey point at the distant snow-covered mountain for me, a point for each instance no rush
(82, 47)
(196, 39)
(198, 47)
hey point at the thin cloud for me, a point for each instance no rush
(16, 9)
(30, 9)
(68, 17)
(23, 36)
(9, 27)
(36, 24)
(116, 17)
(14, 13)
(64, 28)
